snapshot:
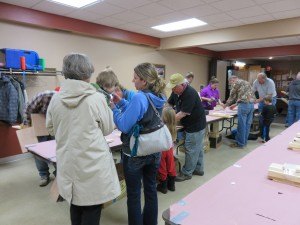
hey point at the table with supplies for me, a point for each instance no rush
(242, 193)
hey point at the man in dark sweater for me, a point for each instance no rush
(191, 114)
(268, 114)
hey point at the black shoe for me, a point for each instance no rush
(198, 173)
(44, 181)
(182, 177)
(171, 183)
(162, 187)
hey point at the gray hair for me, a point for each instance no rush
(232, 77)
(77, 67)
(298, 76)
(263, 75)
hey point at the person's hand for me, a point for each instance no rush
(112, 105)
(232, 107)
(116, 98)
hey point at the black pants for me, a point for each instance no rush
(85, 215)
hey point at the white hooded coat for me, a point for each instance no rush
(79, 118)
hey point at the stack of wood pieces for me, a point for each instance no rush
(287, 173)
(220, 114)
(295, 144)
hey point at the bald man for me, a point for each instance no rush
(265, 88)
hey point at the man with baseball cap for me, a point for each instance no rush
(191, 114)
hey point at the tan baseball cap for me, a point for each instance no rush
(175, 80)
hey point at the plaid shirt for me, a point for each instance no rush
(39, 104)
(241, 92)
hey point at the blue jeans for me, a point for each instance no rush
(194, 152)
(245, 116)
(136, 169)
(293, 111)
(266, 131)
(41, 164)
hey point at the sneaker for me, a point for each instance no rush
(182, 177)
(198, 173)
(235, 145)
(44, 181)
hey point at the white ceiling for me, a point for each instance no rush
(140, 15)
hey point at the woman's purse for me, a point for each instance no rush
(156, 141)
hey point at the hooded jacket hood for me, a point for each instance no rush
(158, 101)
(74, 91)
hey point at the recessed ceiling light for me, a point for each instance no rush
(75, 3)
(270, 57)
(180, 25)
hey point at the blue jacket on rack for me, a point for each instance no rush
(8, 101)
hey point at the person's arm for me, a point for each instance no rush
(205, 96)
(180, 115)
(186, 105)
(104, 116)
(271, 88)
(133, 113)
(233, 95)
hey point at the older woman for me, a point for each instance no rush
(79, 117)
(144, 168)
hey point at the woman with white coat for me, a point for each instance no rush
(79, 118)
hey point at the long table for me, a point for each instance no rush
(47, 150)
(242, 194)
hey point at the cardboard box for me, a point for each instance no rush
(39, 124)
(215, 142)
(26, 136)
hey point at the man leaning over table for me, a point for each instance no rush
(191, 114)
(241, 95)
(265, 88)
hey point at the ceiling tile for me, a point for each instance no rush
(286, 14)
(108, 21)
(229, 5)
(281, 6)
(232, 23)
(220, 17)
(209, 1)
(200, 11)
(129, 16)
(257, 19)
(28, 3)
(153, 9)
(148, 22)
(179, 4)
(105, 9)
(54, 8)
(247, 12)
(171, 17)
(265, 1)
(129, 4)
(84, 15)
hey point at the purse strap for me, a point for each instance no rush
(153, 107)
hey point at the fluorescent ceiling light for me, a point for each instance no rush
(239, 64)
(75, 3)
(180, 25)
(270, 57)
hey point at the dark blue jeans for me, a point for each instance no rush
(137, 169)
(41, 164)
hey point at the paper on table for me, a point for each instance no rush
(109, 140)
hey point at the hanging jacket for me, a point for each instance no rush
(79, 117)
(8, 101)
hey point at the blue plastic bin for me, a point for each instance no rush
(12, 59)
